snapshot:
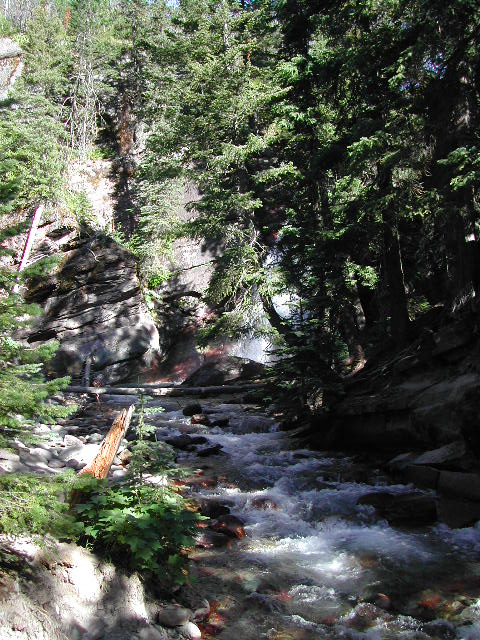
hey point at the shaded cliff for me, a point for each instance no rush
(94, 306)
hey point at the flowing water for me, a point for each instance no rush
(314, 563)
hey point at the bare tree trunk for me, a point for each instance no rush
(103, 460)
(30, 241)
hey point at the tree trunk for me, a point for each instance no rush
(30, 241)
(103, 460)
(399, 319)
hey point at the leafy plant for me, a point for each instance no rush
(143, 527)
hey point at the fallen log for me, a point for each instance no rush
(173, 391)
(103, 460)
(100, 466)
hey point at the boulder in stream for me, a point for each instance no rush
(408, 509)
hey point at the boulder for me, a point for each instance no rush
(464, 485)
(450, 456)
(410, 509)
(174, 615)
(223, 371)
(192, 409)
(94, 307)
(204, 452)
(229, 525)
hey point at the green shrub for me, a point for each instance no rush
(142, 527)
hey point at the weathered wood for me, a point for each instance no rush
(103, 460)
(30, 241)
(176, 391)
(100, 467)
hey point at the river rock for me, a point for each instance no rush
(72, 441)
(212, 508)
(182, 442)
(192, 409)
(403, 509)
(458, 513)
(229, 525)
(191, 631)
(211, 539)
(465, 485)
(200, 418)
(95, 438)
(451, 456)
(174, 615)
(125, 456)
(220, 422)
(5, 454)
(56, 463)
(209, 451)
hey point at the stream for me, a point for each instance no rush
(314, 563)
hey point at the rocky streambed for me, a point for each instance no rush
(298, 544)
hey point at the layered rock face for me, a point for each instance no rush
(425, 397)
(94, 306)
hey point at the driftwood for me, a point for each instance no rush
(173, 391)
(100, 467)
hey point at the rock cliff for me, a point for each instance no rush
(94, 306)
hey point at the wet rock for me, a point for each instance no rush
(403, 509)
(223, 370)
(182, 442)
(198, 440)
(421, 476)
(220, 422)
(465, 485)
(192, 409)
(458, 513)
(265, 504)
(174, 616)
(190, 630)
(212, 508)
(441, 629)
(211, 540)
(209, 451)
(230, 526)
(451, 456)
(200, 418)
